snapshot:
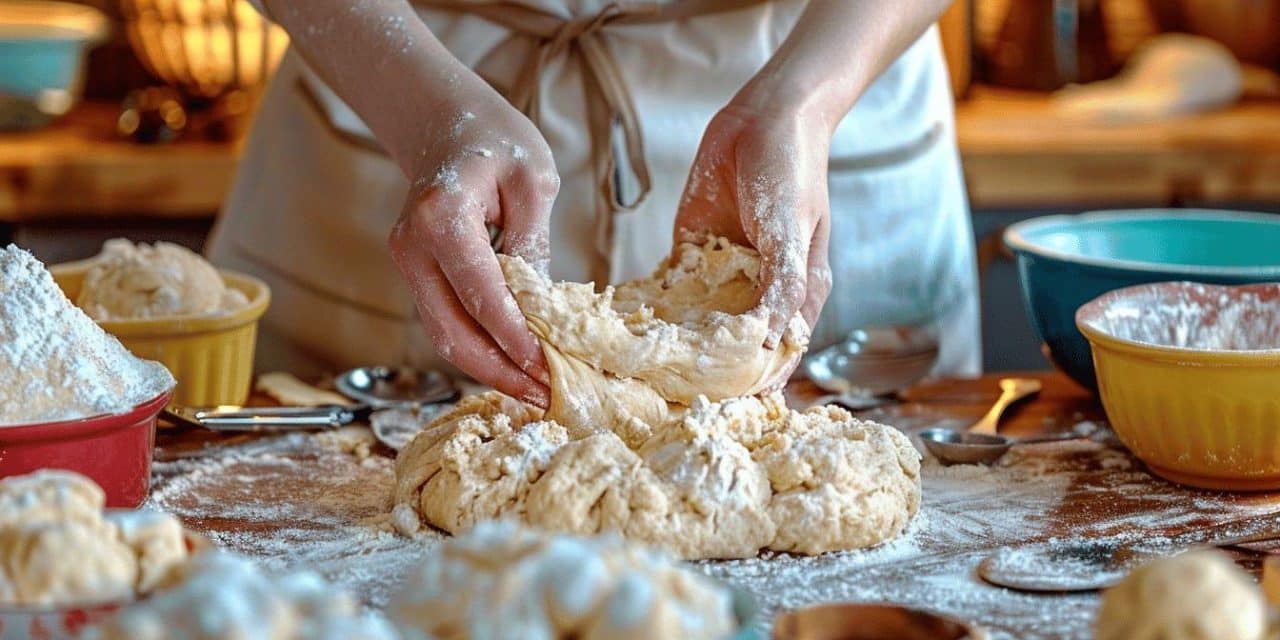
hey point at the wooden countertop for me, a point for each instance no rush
(265, 500)
(78, 167)
(1016, 152)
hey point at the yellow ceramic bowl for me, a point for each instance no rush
(1190, 377)
(211, 356)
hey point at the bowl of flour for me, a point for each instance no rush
(73, 396)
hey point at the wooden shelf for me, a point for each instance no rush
(78, 168)
(1018, 152)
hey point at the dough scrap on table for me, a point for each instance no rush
(129, 281)
(503, 581)
(57, 546)
(222, 596)
(1199, 595)
(654, 430)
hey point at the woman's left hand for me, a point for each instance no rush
(760, 179)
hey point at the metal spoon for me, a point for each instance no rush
(1089, 565)
(980, 443)
(373, 388)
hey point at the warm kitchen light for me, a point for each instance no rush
(207, 48)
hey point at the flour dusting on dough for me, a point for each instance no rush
(656, 429)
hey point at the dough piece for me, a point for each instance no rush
(156, 540)
(288, 390)
(653, 432)
(65, 563)
(221, 596)
(686, 331)
(503, 581)
(57, 548)
(728, 479)
(49, 496)
(1200, 595)
(129, 281)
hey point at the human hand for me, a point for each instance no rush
(489, 164)
(760, 179)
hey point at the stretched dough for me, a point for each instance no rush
(654, 430)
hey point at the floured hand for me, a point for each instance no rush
(760, 179)
(489, 165)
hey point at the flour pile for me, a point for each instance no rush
(129, 281)
(656, 431)
(56, 363)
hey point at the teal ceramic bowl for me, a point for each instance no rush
(42, 47)
(1066, 261)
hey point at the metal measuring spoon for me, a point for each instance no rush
(1065, 566)
(980, 443)
(962, 447)
(372, 388)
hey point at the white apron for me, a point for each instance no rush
(314, 198)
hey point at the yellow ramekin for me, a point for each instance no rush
(211, 356)
(1205, 418)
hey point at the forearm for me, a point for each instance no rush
(385, 64)
(836, 49)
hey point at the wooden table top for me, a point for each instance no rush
(294, 504)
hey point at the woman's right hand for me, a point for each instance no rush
(487, 165)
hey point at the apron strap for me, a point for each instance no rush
(607, 94)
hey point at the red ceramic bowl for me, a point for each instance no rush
(115, 451)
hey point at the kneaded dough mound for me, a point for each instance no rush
(652, 431)
(502, 581)
(57, 547)
(1200, 595)
(221, 596)
(131, 281)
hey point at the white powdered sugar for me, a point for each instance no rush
(55, 362)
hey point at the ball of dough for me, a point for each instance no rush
(57, 547)
(50, 495)
(1200, 595)
(153, 281)
(66, 563)
(156, 540)
(221, 596)
(504, 581)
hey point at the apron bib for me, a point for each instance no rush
(314, 198)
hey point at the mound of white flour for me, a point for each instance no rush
(56, 363)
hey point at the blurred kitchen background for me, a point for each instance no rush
(1062, 106)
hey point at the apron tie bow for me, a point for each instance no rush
(605, 89)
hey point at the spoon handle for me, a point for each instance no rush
(1061, 437)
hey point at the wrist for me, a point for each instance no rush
(782, 93)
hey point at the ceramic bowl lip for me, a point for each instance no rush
(1097, 336)
(256, 290)
(59, 20)
(1017, 238)
(80, 427)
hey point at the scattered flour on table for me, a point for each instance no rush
(56, 363)
(300, 502)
